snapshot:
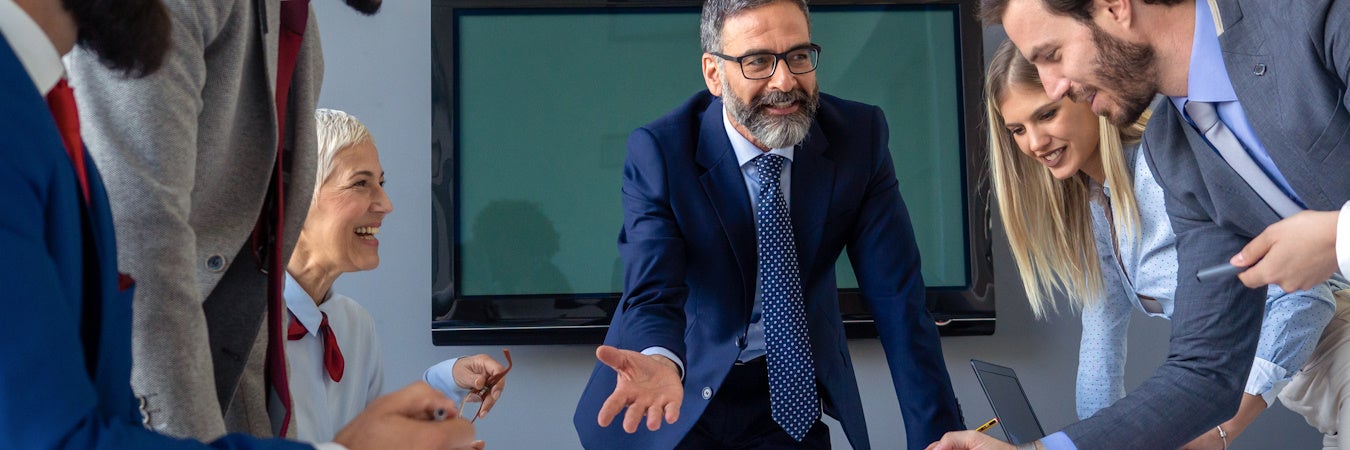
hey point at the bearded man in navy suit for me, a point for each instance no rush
(695, 340)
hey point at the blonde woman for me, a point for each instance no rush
(1085, 216)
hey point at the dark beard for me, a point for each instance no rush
(367, 7)
(1132, 72)
(769, 130)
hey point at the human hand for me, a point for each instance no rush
(969, 440)
(1296, 253)
(647, 385)
(405, 419)
(473, 373)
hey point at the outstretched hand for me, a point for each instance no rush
(648, 385)
(1296, 253)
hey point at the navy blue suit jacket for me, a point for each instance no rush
(65, 336)
(689, 249)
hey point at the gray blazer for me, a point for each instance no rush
(1289, 62)
(187, 154)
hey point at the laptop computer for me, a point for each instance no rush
(1010, 403)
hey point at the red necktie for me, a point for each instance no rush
(332, 355)
(61, 100)
(268, 236)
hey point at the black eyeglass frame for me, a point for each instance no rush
(776, 58)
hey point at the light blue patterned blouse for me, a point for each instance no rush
(1292, 325)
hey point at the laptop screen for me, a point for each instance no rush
(1010, 403)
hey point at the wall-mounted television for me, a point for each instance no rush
(532, 102)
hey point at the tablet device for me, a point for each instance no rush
(1010, 403)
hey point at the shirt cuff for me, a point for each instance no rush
(1343, 240)
(329, 446)
(1263, 378)
(442, 377)
(1058, 441)
(668, 354)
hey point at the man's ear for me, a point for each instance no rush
(711, 74)
(1114, 14)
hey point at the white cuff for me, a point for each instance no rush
(1343, 240)
(1262, 381)
(329, 446)
(668, 354)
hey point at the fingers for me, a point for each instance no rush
(615, 403)
(654, 415)
(633, 416)
(673, 410)
(491, 398)
(416, 401)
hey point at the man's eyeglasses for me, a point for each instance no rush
(481, 394)
(758, 66)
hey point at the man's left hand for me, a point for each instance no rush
(471, 373)
(969, 440)
(1296, 253)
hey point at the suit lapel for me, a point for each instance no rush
(1257, 79)
(725, 186)
(812, 184)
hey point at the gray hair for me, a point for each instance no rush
(716, 13)
(337, 131)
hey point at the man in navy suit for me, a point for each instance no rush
(1275, 75)
(724, 295)
(66, 332)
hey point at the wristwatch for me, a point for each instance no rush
(1033, 445)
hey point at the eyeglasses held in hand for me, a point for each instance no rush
(481, 394)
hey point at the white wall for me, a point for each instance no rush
(379, 69)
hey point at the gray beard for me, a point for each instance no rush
(772, 131)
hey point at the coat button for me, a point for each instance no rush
(1259, 69)
(707, 392)
(215, 263)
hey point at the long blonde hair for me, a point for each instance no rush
(1049, 221)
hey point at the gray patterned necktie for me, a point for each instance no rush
(1206, 119)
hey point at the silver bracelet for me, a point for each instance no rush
(1222, 435)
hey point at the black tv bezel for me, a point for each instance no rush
(958, 311)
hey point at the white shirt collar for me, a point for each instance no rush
(34, 49)
(746, 151)
(301, 305)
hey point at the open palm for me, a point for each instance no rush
(647, 386)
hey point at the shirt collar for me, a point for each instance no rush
(746, 151)
(1207, 80)
(302, 305)
(34, 50)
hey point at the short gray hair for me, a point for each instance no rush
(337, 131)
(716, 13)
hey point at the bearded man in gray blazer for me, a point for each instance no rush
(188, 155)
(1275, 75)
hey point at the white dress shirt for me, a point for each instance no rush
(1343, 239)
(32, 46)
(319, 405)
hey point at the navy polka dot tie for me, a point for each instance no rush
(792, 382)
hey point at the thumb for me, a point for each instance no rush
(1253, 252)
(613, 357)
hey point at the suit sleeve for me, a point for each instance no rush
(1215, 327)
(143, 135)
(653, 252)
(49, 400)
(886, 261)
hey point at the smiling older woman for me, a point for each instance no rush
(332, 350)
